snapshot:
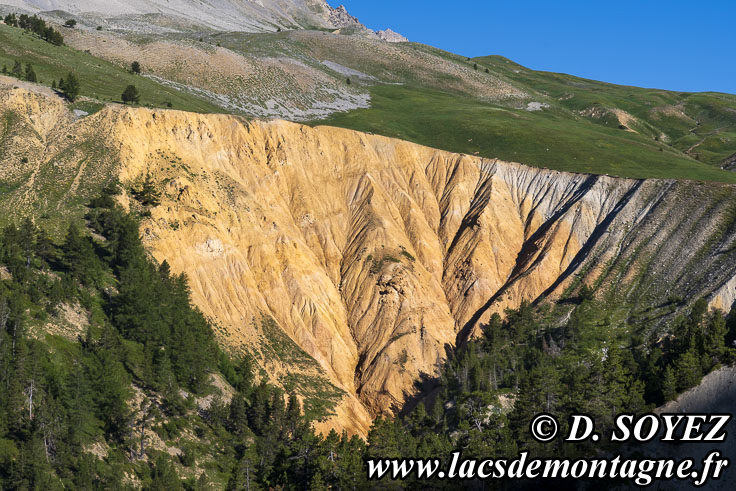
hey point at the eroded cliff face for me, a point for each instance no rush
(377, 256)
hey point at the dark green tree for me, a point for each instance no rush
(148, 194)
(17, 70)
(70, 87)
(163, 476)
(131, 95)
(30, 75)
(669, 385)
(11, 20)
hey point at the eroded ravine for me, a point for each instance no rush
(374, 255)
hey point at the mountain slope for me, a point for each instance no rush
(375, 256)
(489, 107)
(227, 15)
(700, 125)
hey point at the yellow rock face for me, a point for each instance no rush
(375, 256)
(372, 254)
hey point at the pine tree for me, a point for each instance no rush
(131, 95)
(164, 477)
(317, 483)
(135, 67)
(349, 473)
(11, 20)
(70, 87)
(688, 370)
(27, 237)
(669, 385)
(79, 256)
(383, 440)
(17, 70)
(30, 75)
(714, 342)
(148, 195)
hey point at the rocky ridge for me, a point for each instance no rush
(375, 256)
(161, 16)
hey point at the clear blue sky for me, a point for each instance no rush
(677, 45)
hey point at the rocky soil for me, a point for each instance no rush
(299, 76)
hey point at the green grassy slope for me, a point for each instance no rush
(99, 79)
(435, 98)
(707, 119)
(549, 138)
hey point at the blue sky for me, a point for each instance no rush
(677, 45)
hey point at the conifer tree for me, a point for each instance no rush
(30, 75)
(669, 385)
(17, 70)
(70, 87)
(131, 95)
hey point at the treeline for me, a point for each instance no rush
(145, 361)
(69, 88)
(36, 25)
(17, 71)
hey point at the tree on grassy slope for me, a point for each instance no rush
(30, 74)
(70, 87)
(131, 94)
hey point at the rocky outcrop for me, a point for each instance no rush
(374, 255)
(391, 37)
(340, 18)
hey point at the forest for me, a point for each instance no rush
(78, 412)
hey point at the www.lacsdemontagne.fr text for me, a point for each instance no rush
(642, 472)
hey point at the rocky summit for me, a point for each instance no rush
(159, 16)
